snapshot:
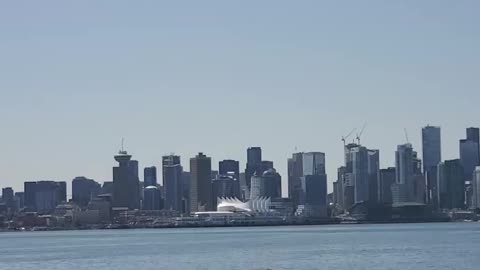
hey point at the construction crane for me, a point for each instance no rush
(361, 132)
(406, 135)
(344, 138)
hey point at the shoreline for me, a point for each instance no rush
(130, 227)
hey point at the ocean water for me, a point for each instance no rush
(394, 246)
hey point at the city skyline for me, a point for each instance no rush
(76, 77)
(215, 165)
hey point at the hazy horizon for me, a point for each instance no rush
(219, 76)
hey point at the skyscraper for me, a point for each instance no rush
(150, 176)
(201, 198)
(404, 188)
(49, 194)
(419, 186)
(314, 194)
(306, 179)
(172, 182)
(469, 158)
(229, 166)
(133, 166)
(387, 179)
(473, 134)
(225, 186)
(186, 192)
(254, 162)
(338, 189)
(254, 155)
(431, 147)
(357, 161)
(470, 153)
(30, 190)
(373, 175)
(8, 198)
(451, 191)
(265, 165)
(151, 198)
(432, 156)
(126, 185)
(268, 184)
(476, 188)
(295, 172)
(20, 199)
(83, 190)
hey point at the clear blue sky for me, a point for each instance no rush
(219, 76)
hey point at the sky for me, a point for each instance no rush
(219, 76)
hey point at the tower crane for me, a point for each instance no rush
(361, 132)
(406, 135)
(344, 138)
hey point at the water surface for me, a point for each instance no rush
(395, 247)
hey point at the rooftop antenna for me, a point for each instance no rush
(122, 150)
(344, 138)
(361, 132)
(406, 135)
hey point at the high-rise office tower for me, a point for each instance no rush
(186, 192)
(470, 153)
(201, 198)
(476, 188)
(265, 165)
(126, 185)
(336, 195)
(348, 190)
(295, 172)
(232, 168)
(404, 164)
(44, 196)
(432, 156)
(306, 179)
(150, 176)
(107, 188)
(473, 134)
(8, 198)
(20, 199)
(404, 188)
(387, 179)
(266, 185)
(469, 158)
(419, 186)
(314, 195)
(451, 191)
(229, 166)
(49, 194)
(30, 190)
(373, 175)
(357, 161)
(173, 182)
(151, 198)
(299, 165)
(254, 155)
(133, 165)
(171, 159)
(225, 186)
(62, 191)
(431, 147)
(84, 190)
(254, 162)
(340, 204)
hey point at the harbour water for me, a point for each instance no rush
(392, 246)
